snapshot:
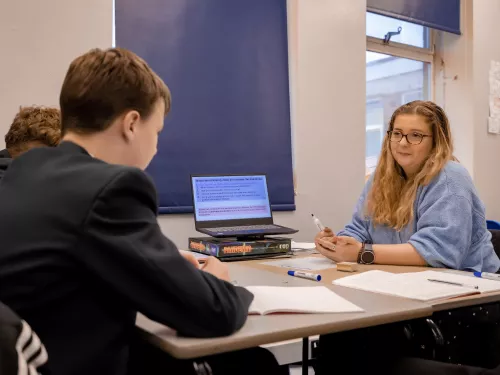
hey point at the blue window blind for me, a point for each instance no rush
(438, 14)
(226, 63)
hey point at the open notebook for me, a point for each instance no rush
(416, 285)
(309, 299)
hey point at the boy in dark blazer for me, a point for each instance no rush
(81, 249)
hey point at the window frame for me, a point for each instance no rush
(376, 128)
(406, 51)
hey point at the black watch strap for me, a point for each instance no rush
(361, 252)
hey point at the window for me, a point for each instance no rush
(412, 96)
(396, 73)
(411, 34)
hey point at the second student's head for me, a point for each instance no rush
(32, 127)
(113, 102)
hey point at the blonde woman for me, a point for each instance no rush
(420, 207)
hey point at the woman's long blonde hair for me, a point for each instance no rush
(392, 195)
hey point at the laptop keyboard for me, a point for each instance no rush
(244, 228)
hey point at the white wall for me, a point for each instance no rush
(453, 85)
(38, 40)
(327, 57)
(462, 87)
(486, 29)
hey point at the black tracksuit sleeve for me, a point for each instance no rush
(126, 250)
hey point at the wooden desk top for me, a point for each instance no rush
(328, 275)
(259, 330)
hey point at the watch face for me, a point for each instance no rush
(368, 257)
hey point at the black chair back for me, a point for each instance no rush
(495, 240)
(21, 352)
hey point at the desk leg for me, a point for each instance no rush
(305, 356)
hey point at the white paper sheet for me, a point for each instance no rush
(418, 285)
(299, 246)
(316, 299)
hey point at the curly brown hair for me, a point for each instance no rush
(32, 127)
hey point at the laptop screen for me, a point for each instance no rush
(218, 198)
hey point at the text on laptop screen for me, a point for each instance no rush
(230, 197)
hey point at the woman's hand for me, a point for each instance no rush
(338, 248)
(324, 234)
(322, 241)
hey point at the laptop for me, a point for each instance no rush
(234, 206)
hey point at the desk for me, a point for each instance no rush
(328, 275)
(259, 330)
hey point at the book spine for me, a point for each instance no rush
(203, 247)
(253, 249)
(238, 249)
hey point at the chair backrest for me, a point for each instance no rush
(492, 224)
(21, 351)
(495, 240)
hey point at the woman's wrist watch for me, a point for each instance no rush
(366, 254)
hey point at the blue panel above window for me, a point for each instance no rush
(437, 14)
(226, 63)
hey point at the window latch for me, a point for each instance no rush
(389, 35)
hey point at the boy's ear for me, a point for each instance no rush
(130, 122)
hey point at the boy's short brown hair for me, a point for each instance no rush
(33, 126)
(102, 84)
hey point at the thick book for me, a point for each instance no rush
(426, 286)
(227, 249)
(305, 300)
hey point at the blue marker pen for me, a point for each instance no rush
(305, 275)
(487, 275)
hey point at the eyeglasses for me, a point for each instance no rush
(412, 138)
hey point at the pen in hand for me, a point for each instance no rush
(318, 223)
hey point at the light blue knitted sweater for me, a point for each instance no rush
(449, 229)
